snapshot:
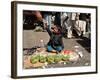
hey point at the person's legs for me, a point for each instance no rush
(59, 48)
(49, 48)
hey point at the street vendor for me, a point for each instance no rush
(55, 43)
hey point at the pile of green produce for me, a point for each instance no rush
(58, 58)
(49, 58)
(65, 57)
(42, 59)
(34, 59)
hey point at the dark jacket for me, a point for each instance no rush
(55, 39)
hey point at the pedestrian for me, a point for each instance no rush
(79, 26)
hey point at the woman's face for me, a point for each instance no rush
(55, 29)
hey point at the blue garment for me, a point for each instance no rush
(50, 48)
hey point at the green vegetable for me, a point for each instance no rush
(65, 57)
(58, 58)
(42, 59)
(34, 59)
(50, 59)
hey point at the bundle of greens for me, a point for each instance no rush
(50, 59)
(34, 59)
(42, 59)
(65, 57)
(58, 58)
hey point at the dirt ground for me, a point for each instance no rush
(31, 39)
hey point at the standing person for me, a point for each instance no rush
(47, 18)
(67, 24)
(57, 20)
(80, 26)
(55, 43)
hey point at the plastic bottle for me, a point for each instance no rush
(42, 43)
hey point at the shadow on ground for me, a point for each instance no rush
(86, 43)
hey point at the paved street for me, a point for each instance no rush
(31, 38)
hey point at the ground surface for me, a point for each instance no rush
(31, 38)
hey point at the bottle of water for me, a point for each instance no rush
(42, 43)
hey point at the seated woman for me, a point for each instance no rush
(55, 43)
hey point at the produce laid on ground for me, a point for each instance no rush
(34, 59)
(40, 60)
(65, 57)
(50, 59)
